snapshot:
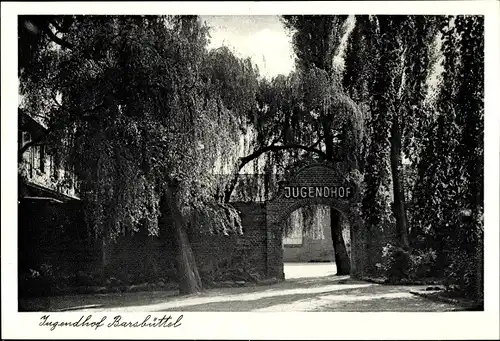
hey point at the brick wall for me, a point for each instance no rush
(313, 175)
(366, 245)
(52, 233)
(217, 254)
(259, 251)
(49, 234)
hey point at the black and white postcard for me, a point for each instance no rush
(166, 165)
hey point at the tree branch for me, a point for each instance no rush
(284, 147)
(54, 38)
(82, 116)
(56, 26)
(273, 147)
(245, 160)
(315, 144)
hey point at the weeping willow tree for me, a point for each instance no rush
(137, 110)
(337, 120)
(307, 221)
(305, 116)
(313, 220)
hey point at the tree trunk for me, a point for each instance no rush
(397, 181)
(341, 256)
(414, 235)
(185, 263)
(230, 188)
(189, 278)
(104, 253)
(329, 149)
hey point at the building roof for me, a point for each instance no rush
(29, 123)
(39, 191)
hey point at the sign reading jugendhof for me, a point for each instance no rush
(335, 191)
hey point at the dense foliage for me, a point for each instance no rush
(430, 115)
(149, 105)
(146, 117)
(449, 189)
(140, 108)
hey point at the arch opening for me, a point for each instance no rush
(316, 185)
(308, 241)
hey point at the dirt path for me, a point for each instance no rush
(306, 289)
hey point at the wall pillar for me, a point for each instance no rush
(319, 175)
(274, 253)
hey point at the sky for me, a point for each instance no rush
(261, 37)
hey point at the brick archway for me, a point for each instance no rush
(321, 183)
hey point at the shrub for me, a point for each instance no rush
(36, 282)
(464, 269)
(422, 263)
(399, 264)
(461, 275)
(395, 264)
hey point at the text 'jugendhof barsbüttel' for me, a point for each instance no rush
(90, 321)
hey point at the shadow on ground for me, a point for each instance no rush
(328, 293)
(113, 300)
